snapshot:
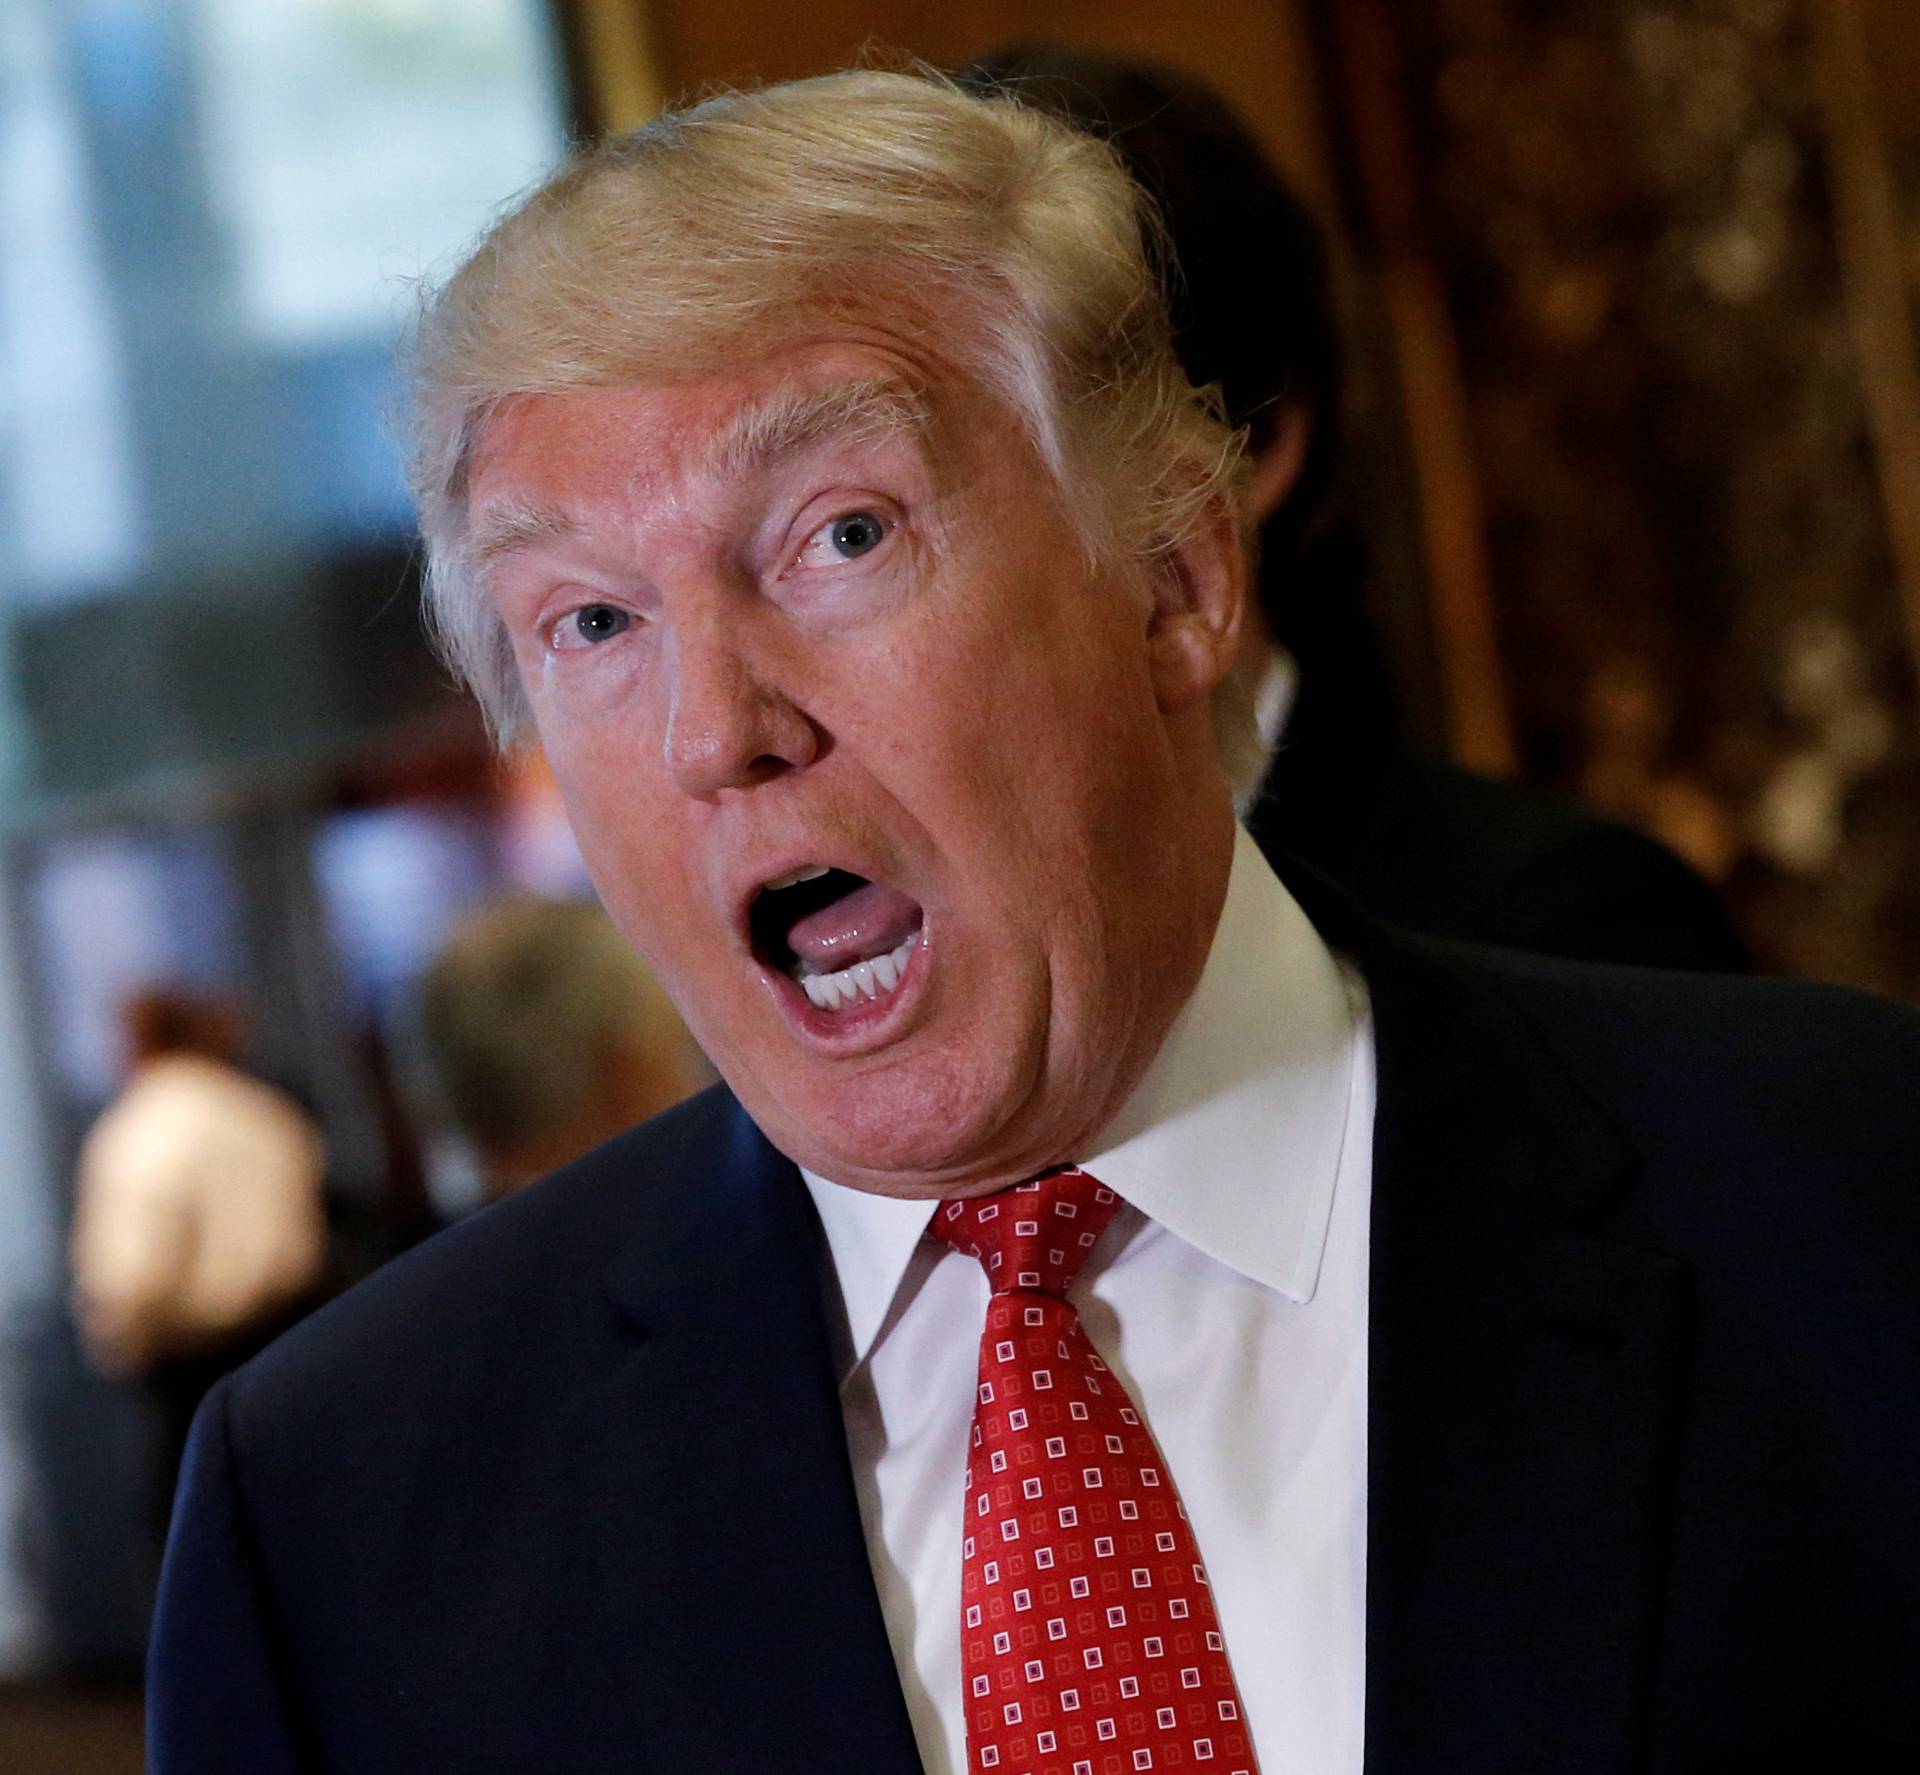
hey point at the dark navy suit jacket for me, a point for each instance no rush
(566, 1489)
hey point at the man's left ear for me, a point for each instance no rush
(1199, 598)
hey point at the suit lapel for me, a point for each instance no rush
(712, 1461)
(1525, 1377)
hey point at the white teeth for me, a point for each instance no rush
(812, 872)
(864, 979)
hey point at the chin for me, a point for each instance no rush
(917, 1129)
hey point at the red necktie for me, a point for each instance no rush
(1090, 1642)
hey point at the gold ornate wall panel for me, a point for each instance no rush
(1667, 233)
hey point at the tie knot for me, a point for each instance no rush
(1035, 1236)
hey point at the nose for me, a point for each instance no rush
(728, 727)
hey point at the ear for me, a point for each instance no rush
(1277, 464)
(1199, 602)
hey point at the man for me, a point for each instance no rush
(1042, 1355)
(1412, 837)
(546, 1035)
(199, 1220)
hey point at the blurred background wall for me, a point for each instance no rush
(1677, 248)
(1633, 288)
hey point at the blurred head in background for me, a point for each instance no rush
(172, 1020)
(546, 1035)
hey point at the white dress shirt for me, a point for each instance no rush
(1230, 1295)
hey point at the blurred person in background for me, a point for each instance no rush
(546, 1035)
(199, 1230)
(1416, 839)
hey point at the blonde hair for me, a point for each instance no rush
(721, 231)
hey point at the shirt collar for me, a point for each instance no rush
(1232, 1139)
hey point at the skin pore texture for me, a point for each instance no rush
(826, 610)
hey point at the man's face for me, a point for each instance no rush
(823, 613)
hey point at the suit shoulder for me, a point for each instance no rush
(1772, 1014)
(1765, 1132)
(1783, 1071)
(467, 1295)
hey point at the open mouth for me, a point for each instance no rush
(845, 939)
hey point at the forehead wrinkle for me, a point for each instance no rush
(793, 419)
(758, 432)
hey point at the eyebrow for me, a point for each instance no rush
(756, 434)
(792, 419)
(512, 526)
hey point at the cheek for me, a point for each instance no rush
(629, 827)
(652, 913)
(591, 713)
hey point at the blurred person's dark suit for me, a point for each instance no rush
(1426, 844)
(1416, 839)
(568, 1488)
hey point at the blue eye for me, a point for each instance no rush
(590, 625)
(846, 539)
(856, 534)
